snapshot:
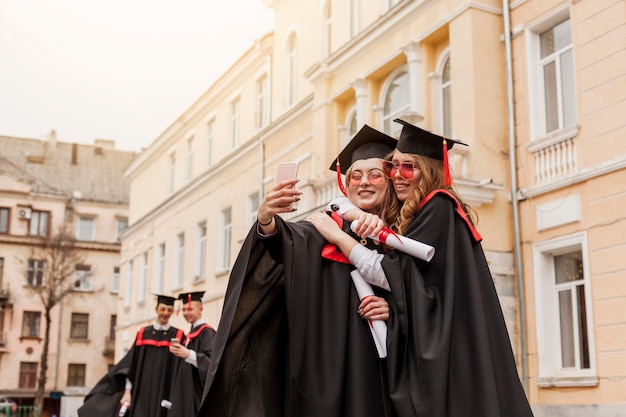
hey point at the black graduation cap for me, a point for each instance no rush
(165, 299)
(188, 297)
(366, 143)
(422, 142)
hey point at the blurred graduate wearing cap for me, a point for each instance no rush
(192, 361)
(143, 375)
(290, 342)
(451, 355)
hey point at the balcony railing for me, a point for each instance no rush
(555, 156)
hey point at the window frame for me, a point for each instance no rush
(84, 276)
(537, 94)
(5, 220)
(90, 233)
(386, 119)
(36, 269)
(551, 373)
(79, 326)
(143, 278)
(201, 252)
(262, 115)
(235, 122)
(225, 239)
(179, 264)
(76, 374)
(37, 226)
(31, 325)
(28, 377)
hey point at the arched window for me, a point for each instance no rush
(291, 70)
(396, 99)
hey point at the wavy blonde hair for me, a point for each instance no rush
(432, 179)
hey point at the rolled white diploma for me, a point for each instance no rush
(403, 244)
(378, 328)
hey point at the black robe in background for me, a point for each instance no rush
(450, 353)
(290, 342)
(188, 380)
(148, 365)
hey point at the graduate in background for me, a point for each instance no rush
(193, 353)
(140, 381)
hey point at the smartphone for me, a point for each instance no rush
(174, 341)
(287, 171)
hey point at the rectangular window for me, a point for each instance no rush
(76, 374)
(190, 153)
(128, 288)
(80, 326)
(171, 177)
(31, 324)
(2, 290)
(120, 226)
(38, 225)
(115, 284)
(262, 110)
(235, 122)
(85, 230)
(35, 275)
(252, 208)
(28, 375)
(159, 276)
(565, 339)
(224, 239)
(552, 98)
(82, 278)
(143, 278)
(112, 325)
(179, 273)
(200, 264)
(4, 220)
(210, 141)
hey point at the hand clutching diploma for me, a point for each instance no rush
(402, 243)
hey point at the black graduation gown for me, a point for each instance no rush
(449, 352)
(148, 364)
(290, 342)
(188, 380)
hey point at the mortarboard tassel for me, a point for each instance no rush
(446, 166)
(339, 182)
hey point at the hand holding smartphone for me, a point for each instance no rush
(287, 171)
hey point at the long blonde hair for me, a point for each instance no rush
(432, 179)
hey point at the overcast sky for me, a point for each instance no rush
(115, 69)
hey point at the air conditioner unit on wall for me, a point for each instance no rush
(24, 212)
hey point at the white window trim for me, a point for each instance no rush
(128, 287)
(179, 262)
(209, 141)
(548, 334)
(190, 142)
(143, 278)
(250, 209)
(200, 255)
(171, 172)
(536, 102)
(437, 84)
(381, 101)
(223, 250)
(159, 268)
(291, 83)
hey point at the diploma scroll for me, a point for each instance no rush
(377, 327)
(403, 244)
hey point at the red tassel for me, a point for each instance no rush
(446, 166)
(339, 182)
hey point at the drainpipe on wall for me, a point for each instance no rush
(514, 199)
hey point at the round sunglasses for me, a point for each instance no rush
(374, 176)
(406, 169)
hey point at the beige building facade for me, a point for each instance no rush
(45, 184)
(536, 88)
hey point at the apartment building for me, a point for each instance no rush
(45, 185)
(535, 87)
